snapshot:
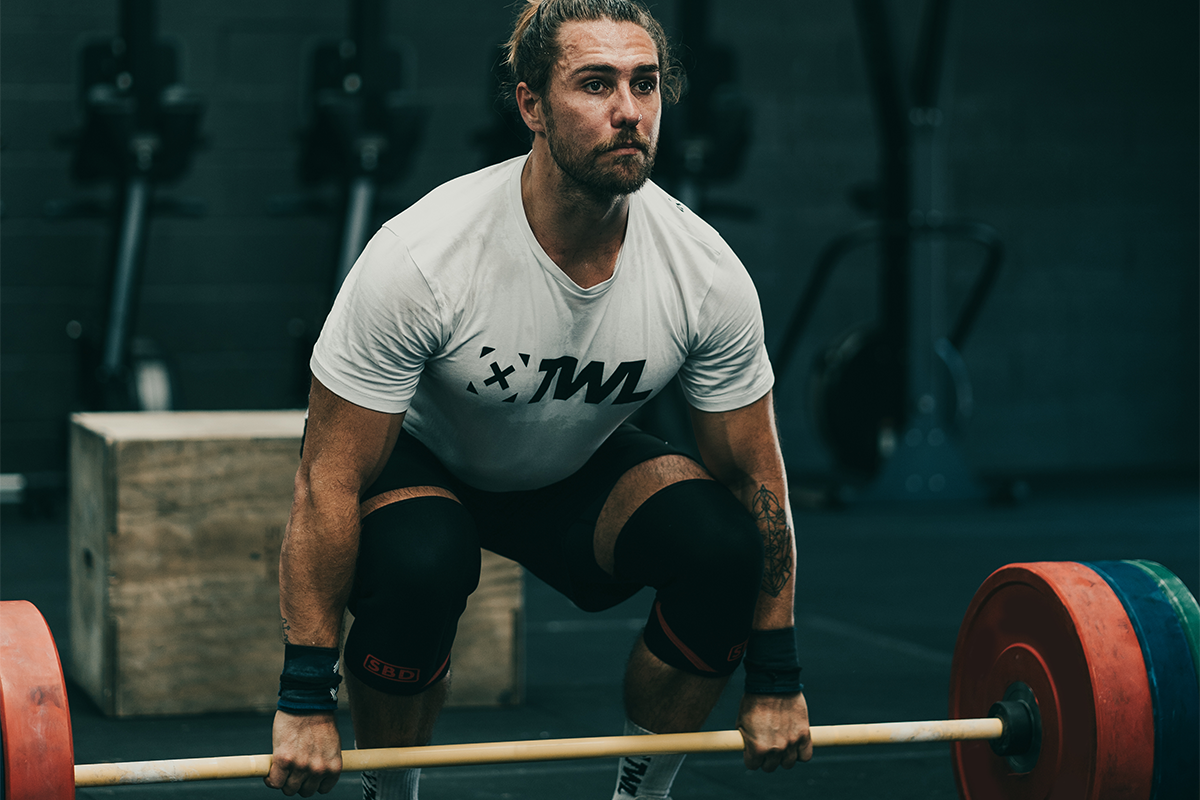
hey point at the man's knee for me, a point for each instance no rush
(632, 491)
(729, 544)
(425, 547)
(691, 527)
(418, 562)
(696, 544)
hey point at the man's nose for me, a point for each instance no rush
(626, 113)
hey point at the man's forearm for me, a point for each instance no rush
(740, 449)
(767, 501)
(316, 570)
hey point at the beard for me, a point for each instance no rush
(598, 173)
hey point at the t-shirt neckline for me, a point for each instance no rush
(517, 207)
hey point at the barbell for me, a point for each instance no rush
(1069, 680)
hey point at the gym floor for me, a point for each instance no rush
(882, 593)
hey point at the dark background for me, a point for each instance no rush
(1071, 127)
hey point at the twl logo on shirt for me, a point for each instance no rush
(566, 379)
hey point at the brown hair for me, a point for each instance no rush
(532, 48)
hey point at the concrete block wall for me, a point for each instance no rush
(1071, 128)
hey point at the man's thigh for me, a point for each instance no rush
(637, 485)
(418, 549)
(551, 531)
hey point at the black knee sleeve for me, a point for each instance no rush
(418, 561)
(700, 548)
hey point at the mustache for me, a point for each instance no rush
(628, 140)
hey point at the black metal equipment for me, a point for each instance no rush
(141, 129)
(505, 136)
(361, 134)
(883, 405)
(363, 129)
(705, 137)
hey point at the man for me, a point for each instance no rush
(539, 303)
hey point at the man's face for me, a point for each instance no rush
(603, 107)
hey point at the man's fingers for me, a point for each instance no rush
(282, 776)
(292, 779)
(306, 784)
(768, 759)
(330, 781)
(772, 759)
(276, 777)
(307, 754)
(806, 748)
(752, 757)
(320, 777)
(776, 731)
(765, 758)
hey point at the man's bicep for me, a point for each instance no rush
(345, 444)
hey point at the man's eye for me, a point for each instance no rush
(647, 86)
(593, 86)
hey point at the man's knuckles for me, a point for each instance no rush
(283, 766)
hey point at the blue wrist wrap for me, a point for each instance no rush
(310, 679)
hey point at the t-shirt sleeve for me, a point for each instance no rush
(727, 366)
(383, 327)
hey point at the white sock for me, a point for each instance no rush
(392, 784)
(648, 777)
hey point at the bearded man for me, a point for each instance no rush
(471, 389)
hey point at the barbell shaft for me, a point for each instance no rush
(202, 769)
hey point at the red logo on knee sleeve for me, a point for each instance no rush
(738, 650)
(390, 671)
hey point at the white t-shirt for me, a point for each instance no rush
(510, 372)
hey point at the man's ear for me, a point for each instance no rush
(530, 106)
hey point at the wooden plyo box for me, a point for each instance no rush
(175, 526)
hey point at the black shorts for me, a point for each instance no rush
(549, 531)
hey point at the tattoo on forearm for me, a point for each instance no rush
(283, 624)
(777, 540)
